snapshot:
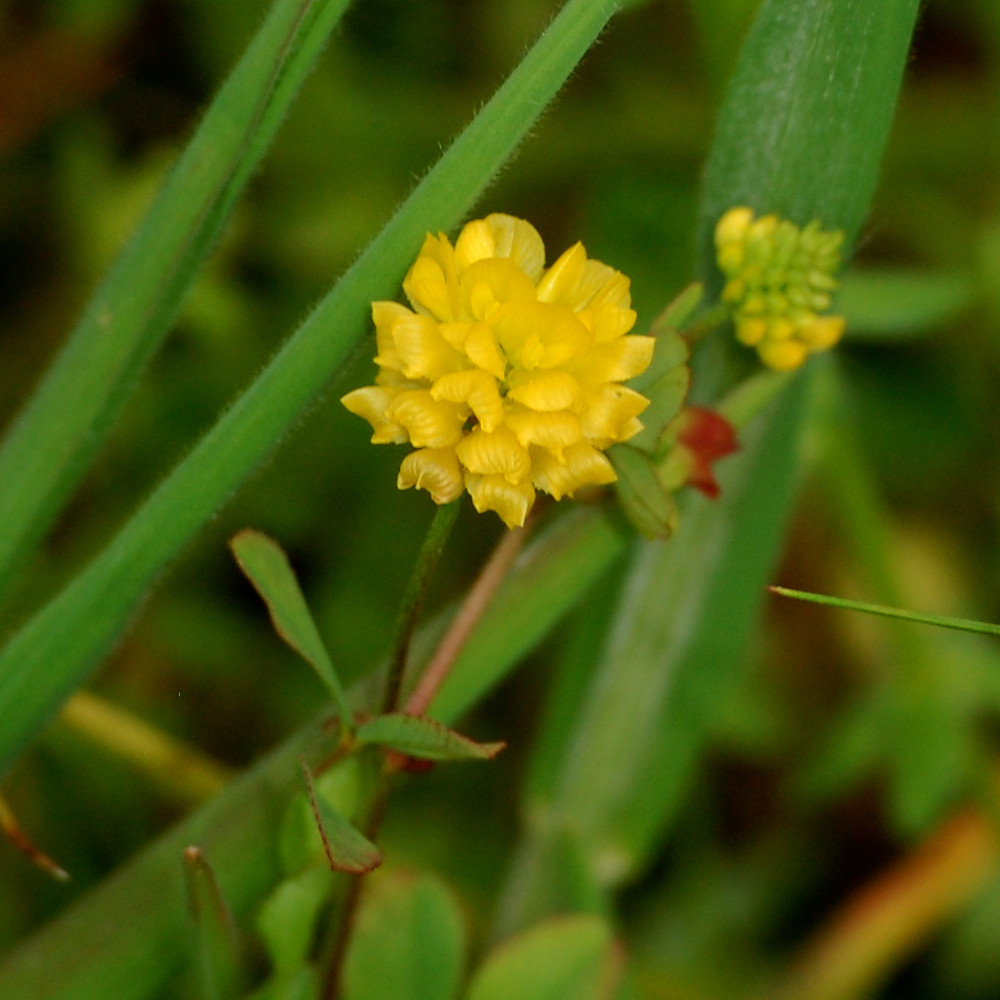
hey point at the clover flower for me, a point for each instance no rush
(506, 377)
(780, 279)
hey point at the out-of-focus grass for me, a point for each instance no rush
(762, 850)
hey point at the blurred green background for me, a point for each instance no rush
(790, 811)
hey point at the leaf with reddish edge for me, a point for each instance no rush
(694, 440)
(423, 738)
(347, 848)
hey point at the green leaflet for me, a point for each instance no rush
(266, 566)
(408, 941)
(423, 738)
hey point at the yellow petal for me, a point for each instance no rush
(372, 402)
(427, 290)
(732, 227)
(518, 240)
(487, 284)
(475, 242)
(501, 235)
(617, 361)
(385, 315)
(583, 466)
(497, 453)
(544, 390)
(609, 411)
(423, 352)
(560, 281)
(751, 330)
(435, 470)
(537, 335)
(823, 332)
(430, 423)
(478, 390)
(511, 501)
(553, 431)
(782, 355)
(612, 286)
(608, 322)
(483, 350)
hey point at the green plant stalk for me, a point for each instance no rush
(53, 441)
(942, 621)
(413, 600)
(60, 646)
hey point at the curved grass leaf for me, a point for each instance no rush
(408, 940)
(942, 621)
(51, 444)
(57, 649)
(267, 567)
(424, 738)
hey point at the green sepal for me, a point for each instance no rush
(681, 311)
(647, 503)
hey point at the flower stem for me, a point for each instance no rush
(476, 602)
(413, 599)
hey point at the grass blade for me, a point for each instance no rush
(51, 444)
(59, 647)
(805, 119)
(961, 624)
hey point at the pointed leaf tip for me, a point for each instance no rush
(424, 738)
(265, 564)
(347, 848)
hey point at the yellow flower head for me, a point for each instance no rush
(506, 377)
(780, 279)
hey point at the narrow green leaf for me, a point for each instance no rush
(216, 948)
(58, 648)
(347, 848)
(565, 958)
(424, 738)
(679, 636)
(805, 119)
(54, 440)
(408, 940)
(267, 567)
(961, 624)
